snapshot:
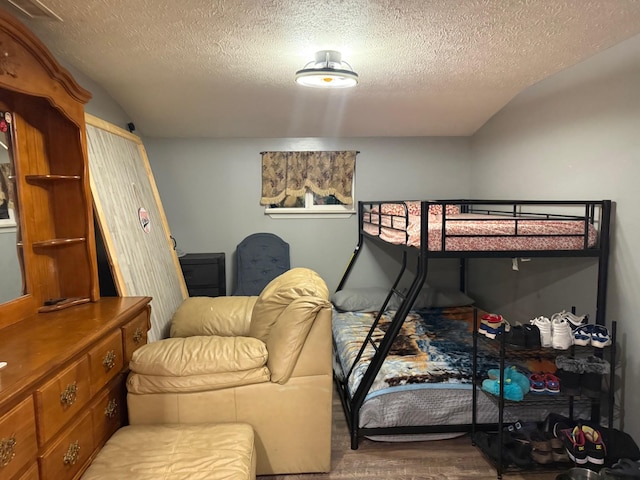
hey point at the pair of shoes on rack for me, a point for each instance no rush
(544, 383)
(522, 336)
(595, 335)
(510, 390)
(574, 320)
(584, 444)
(545, 448)
(511, 374)
(554, 333)
(581, 375)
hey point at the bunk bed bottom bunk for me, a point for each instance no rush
(426, 379)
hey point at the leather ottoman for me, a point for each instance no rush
(172, 452)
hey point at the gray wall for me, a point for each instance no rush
(210, 190)
(573, 136)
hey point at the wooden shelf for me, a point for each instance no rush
(51, 178)
(58, 242)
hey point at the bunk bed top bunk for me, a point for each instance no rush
(489, 228)
(381, 395)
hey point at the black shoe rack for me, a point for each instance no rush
(494, 450)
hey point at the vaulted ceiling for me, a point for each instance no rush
(225, 68)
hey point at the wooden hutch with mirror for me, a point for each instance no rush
(64, 350)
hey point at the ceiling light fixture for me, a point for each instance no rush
(328, 70)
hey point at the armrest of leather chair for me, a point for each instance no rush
(195, 364)
(223, 316)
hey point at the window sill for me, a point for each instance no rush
(303, 213)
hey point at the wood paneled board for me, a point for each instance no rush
(132, 222)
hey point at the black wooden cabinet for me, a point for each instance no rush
(204, 274)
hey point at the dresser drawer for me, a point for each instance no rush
(18, 445)
(61, 399)
(105, 361)
(109, 411)
(134, 334)
(70, 452)
(31, 474)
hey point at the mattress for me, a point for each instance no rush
(426, 378)
(481, 232)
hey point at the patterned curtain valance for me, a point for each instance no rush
(292, 173)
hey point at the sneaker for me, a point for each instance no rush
(574, 320)
(575, 444)
(594, 446)
(544, 325)
(536, 382)
(493, 318)
(532, 336)
(551, 384)
(490, 329)
(515, 338)
(600, 336)
(562, 337)
(582, 335)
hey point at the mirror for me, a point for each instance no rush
(11, 281)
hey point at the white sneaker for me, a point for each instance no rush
(575, 321)
(544, 325)
(562, 337)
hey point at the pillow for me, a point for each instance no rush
(449, 209)
(413, 208)
(430, 297)
(368, 299)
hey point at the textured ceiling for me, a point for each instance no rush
(207, 68)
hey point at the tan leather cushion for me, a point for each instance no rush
(145, 384)
(198, 356)
(172, 452)
(224, 316)
(289, 334)
(279, 293)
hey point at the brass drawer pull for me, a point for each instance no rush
(111, 408)
(68, 397)
(109, 360)
(137, 336)
(71, 457)
(7, 450)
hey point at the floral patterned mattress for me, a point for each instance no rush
(478, 232)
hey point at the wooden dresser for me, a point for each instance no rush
(62, 391)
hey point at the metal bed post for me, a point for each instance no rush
(356, 251)
(603, 262)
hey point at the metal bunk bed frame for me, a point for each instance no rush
(352, 404)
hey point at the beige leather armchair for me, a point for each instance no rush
(262, 360)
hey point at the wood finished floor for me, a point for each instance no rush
(454, 459)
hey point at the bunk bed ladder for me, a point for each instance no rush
(368, 340)
(394, 328)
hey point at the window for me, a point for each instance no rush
(308, 183)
